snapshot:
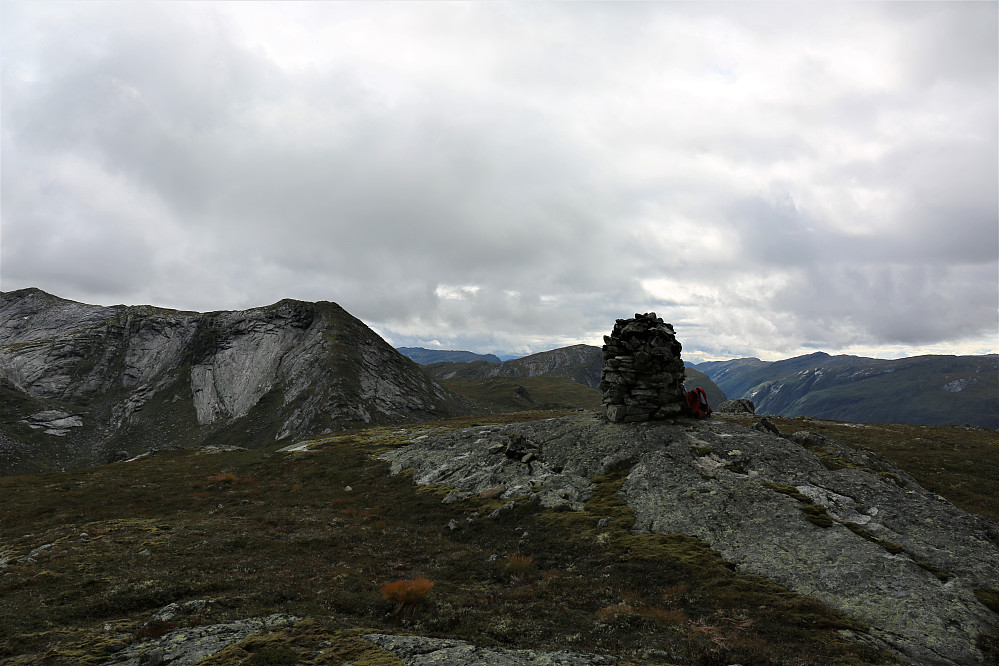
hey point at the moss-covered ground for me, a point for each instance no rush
(317, 534)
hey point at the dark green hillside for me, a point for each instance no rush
(580, 364)
(922, 389)
(735, 377)
(513, 394)
(88, 556)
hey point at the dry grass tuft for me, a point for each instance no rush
(406, 594)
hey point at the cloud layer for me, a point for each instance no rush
(513, 177)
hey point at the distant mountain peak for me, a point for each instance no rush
(140, 377)
(426, 356)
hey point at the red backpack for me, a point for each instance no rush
(697, 404)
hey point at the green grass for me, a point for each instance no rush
(265, 532)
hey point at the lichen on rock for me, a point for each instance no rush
(422, 651)
(860, 534)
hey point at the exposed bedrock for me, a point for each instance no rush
(860, 534)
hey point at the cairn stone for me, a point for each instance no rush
(642, 377)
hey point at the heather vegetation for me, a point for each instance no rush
(511, 394)
(89, 556)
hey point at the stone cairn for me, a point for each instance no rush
(642, 378)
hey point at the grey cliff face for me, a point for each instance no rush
(860, 535)
(87, 384)
(246, 354)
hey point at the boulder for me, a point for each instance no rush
(737, 406)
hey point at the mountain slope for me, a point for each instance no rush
(176, 551)
(578, 363)
(922, 389)
(86, 384)
(803, 510)
(510, 394)
(427, 356)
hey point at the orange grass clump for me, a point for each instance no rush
(406, 593)
(518, 566)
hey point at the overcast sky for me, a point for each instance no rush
(773, 179)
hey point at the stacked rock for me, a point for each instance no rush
(642, 378)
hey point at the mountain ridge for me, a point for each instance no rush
(927, 389)
(425, 356)
(96, 383)
(581, 364)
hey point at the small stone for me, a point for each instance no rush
(152, 658)
(506, 507)
(492, 493)
(766, 425)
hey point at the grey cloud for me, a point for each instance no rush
(892, 304)
(553, 157)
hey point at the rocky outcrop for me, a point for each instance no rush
(422, 651)
(737, 406)
(85, 384)
(53, 421)
(642, 377)
(816, 516)
(190, 645)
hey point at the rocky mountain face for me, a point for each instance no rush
(85, 384)
(428, 356)
(581, 364)
(930, 390)
(818, 517)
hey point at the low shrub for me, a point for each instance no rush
(406, 594)
(518, 567)
(222, 479)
